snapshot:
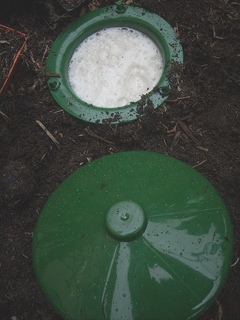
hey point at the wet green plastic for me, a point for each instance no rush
(89, 262)
(118, 15)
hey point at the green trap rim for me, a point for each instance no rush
(118, 15)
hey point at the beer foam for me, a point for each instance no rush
(114, 67)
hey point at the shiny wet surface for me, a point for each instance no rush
(174, 269)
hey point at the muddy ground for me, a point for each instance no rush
(199, 124)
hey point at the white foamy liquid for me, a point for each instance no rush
(114, 67)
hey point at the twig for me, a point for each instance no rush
(199, 164)
(236, 262)
(178, 99)
(91, 133)
(176, 139)
(50, 74)
(174, 129)
(44, 54)
(202, 148)
(5, 116)
(48, 133)
(26, 257)
(9, 298)
(213, 27)
(34, 61)
(217, 37)
(220, 310)
(188, 132)
(72, 140)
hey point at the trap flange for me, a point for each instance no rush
(119, 15)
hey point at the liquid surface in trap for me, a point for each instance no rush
(114, 67)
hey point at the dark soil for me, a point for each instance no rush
(10, 43)
(70, 4)
(199, 124)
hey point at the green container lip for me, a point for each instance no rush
(133, 17)
(133, 235)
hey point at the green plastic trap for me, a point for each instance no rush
(119, 15)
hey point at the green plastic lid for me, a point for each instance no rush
(133, 235)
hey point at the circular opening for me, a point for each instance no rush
(114, 67)
(123, 109)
